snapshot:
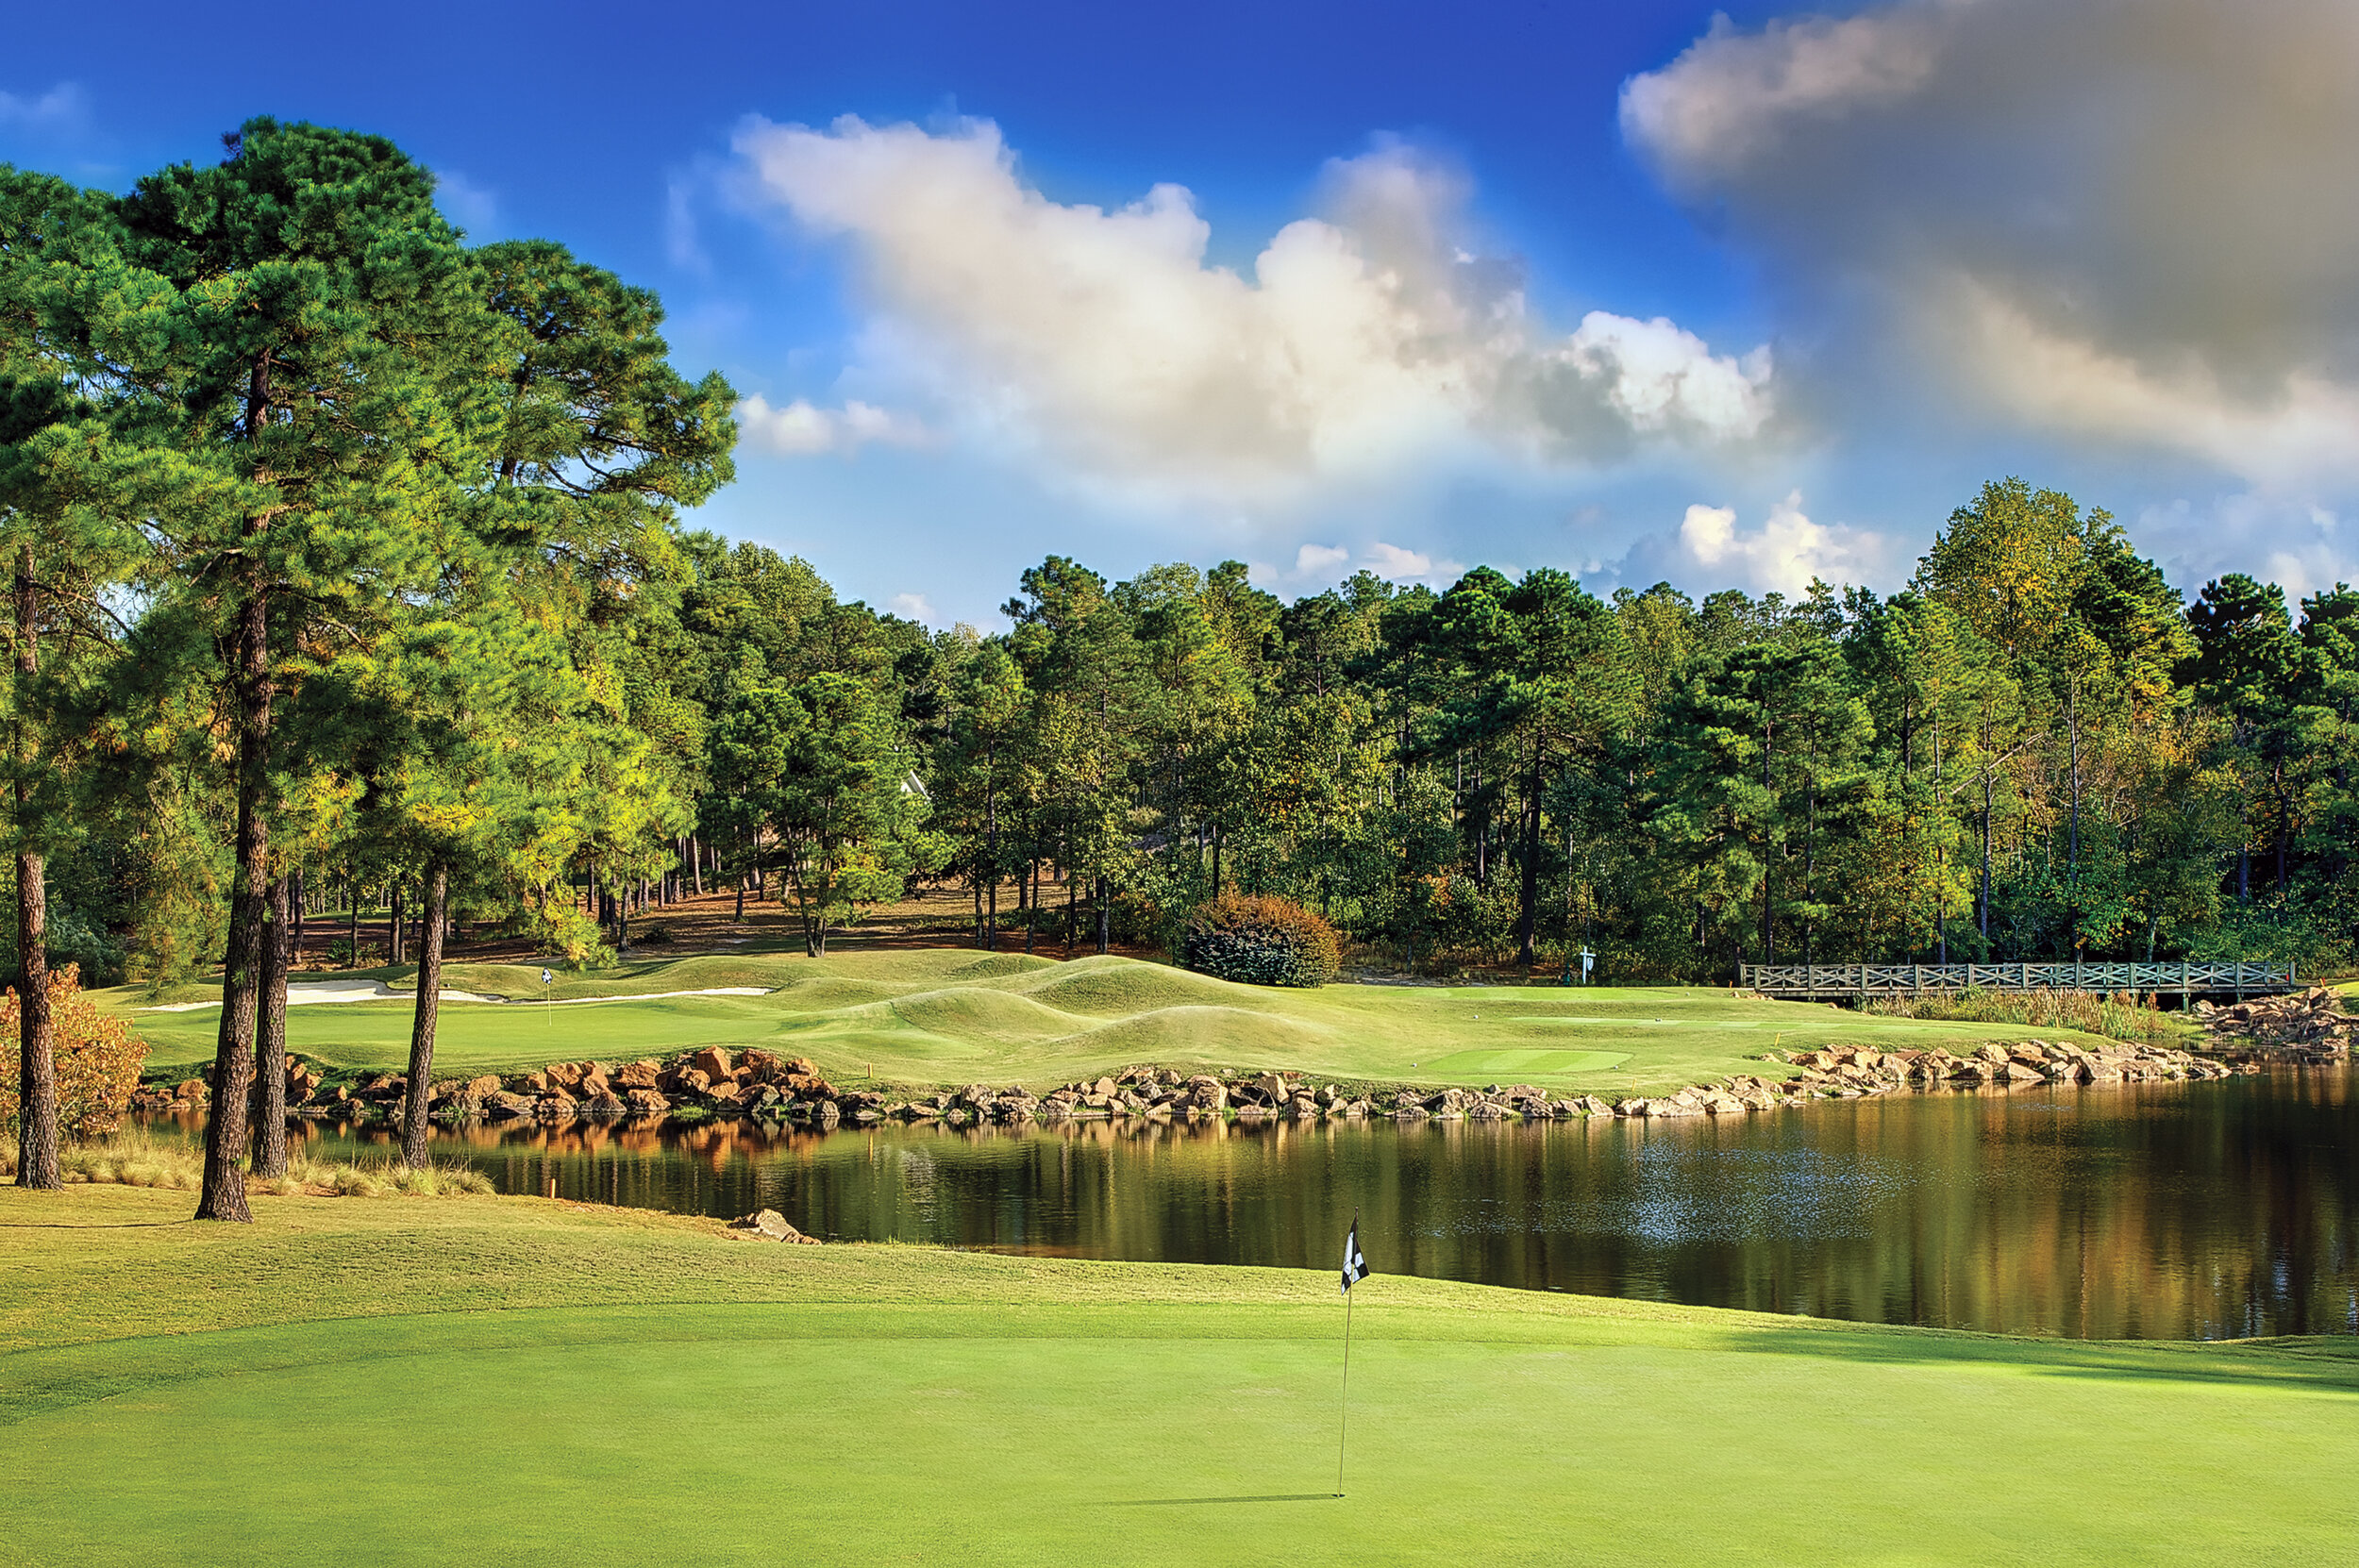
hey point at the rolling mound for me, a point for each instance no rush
(999, 965)
(979, 1014)
(1200, 1034)
(1108, 987)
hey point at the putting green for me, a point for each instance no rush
(430, 1381)
(950, 1015)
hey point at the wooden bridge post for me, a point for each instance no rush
(2186, 997)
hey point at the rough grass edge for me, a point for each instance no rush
(134, 1159)
(2121, 1016)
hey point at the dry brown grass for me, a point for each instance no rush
(136, 1160)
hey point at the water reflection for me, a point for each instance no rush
(2171, 1210)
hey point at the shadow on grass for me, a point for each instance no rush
(2324, 1362)
(1190, 1502)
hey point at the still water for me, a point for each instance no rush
(2154, 1211)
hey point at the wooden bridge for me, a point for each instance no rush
(2187, 979)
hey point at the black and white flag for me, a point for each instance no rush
(1355, 1266)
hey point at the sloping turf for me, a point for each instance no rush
(452, 1381)
(938, 1015)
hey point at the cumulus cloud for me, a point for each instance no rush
(912, 607)
(1395, 564)
(1313, 560)
(2126, 219)
(1367, 335)
(1783, 553)
(804, 429)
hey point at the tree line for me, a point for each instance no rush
(346, 555)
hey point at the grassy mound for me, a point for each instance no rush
(1201, 1036)
(1112, 987)
(944, 1014)
(606, 1383)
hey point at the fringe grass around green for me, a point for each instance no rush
(134, 1159)
(2121, 1016)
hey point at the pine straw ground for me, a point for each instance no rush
(436, 1381)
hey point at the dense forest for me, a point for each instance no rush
(346, 562)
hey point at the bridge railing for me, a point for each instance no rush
(1920, 979)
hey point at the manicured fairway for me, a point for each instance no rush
(950, 1015)
(461, 1381)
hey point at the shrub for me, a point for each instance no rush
(1261, 942)
(98, 1058)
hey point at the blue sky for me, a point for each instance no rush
(1639, 290)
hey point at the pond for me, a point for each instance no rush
(2155, 1211)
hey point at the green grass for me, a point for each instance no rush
(412, 1382)
(947, 1015)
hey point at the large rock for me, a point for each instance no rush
(637, 1075)
(713, 1063)
(644, 1102)
(770, 1224)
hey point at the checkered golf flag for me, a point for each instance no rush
(1355, 1266)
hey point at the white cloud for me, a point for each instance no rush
(1313, 560)
(470, 207)
(1783, 553)
(1731, 96)
(1367, 338)
(912, 607)
(1396, 564)
(802, 428)
(61, 111)
(2303, 548)
(2127, 220)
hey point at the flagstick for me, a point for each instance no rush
(1343, 1419)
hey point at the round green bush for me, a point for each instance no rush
(1261, 942)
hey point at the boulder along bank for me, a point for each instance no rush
(712, 1083)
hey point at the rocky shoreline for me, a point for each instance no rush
(713, 1084)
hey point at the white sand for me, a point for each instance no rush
(302, 992)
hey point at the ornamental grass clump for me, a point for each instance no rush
(2121, 1016)
(138, 1158)
(1261, 941)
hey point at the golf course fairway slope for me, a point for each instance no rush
(952, 1016)
(510, 1380)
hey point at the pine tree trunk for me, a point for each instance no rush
(1528, 917)
(1105, 921)
(417, 1103)
(37, 1157)
(392, 922)
(223, 1193)
(270, 1041)
(352, 955)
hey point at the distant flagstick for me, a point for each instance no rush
(1355, 1270)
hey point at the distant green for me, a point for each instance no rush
(404, 1382)
(945, 1015)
